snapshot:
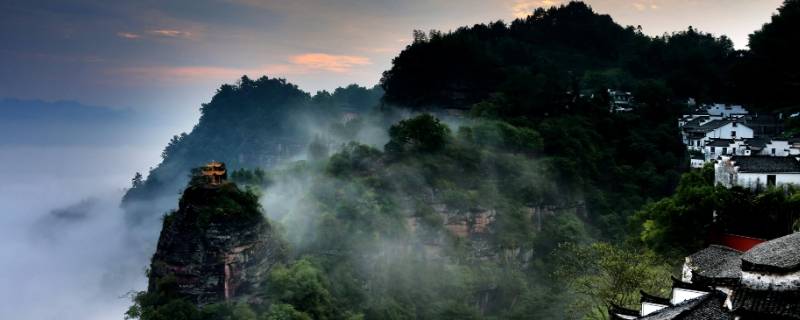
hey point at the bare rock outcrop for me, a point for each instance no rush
(216, 247)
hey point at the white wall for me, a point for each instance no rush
(720, 109)
(779, 147)
(648, 308)
(751, 180)
(680, 295)
(727, 132)
(771, 281)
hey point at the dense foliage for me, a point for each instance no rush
(540, 60)
(603, 275)
(769, 75)
(374, 228)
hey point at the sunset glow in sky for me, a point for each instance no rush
(171, 55)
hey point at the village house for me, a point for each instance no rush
(696, 160)
(759, 281)
(714, 148)
(726, 110)
(756, 172)
(696, 133)
(621, 101)
(730, 130)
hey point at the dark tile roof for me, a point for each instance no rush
(694, 123)
(759, 304)
(646, 297)
(712, 125)
(719, 142)
(766, 164)
(716, 265)
(707, 307)
(758, 143)
(614, 312)
(778, 255)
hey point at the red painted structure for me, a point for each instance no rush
(741, 243)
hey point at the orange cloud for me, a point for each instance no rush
(328, 62)
(128, 35)
(299, 64)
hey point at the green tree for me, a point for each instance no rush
(284, 311)
(423, 133)
(602, 273)
(137, 180)
(303, 286)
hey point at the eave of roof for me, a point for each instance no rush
(766, 164)
(778, 255)
(706, 307)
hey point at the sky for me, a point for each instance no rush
(168, 57)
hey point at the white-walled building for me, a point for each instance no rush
(726, 110)
(714, 148)
(757, 171)
(776, 148)
(621, 101)
(697, 134)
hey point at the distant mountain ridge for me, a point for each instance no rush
(37, 122)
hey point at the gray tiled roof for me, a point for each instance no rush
(757, 304)
(766, 164)
(716, 263)
(719, 142)
(694, 123)
(713, 124)
(758, 143)
(778, 255)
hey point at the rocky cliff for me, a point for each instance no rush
(216, 247)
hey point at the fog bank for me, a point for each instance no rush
(64, 248)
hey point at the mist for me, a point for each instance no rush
(66, 252)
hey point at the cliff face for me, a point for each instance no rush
(217, 246)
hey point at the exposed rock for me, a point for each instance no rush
(218, 246)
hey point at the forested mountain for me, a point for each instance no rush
(522, 205)
(253, 123)
(541, 60)
(35, 122)
(769, 73)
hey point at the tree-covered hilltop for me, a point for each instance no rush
(769, 73)
(542, 61)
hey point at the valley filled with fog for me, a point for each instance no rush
(66, 253)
